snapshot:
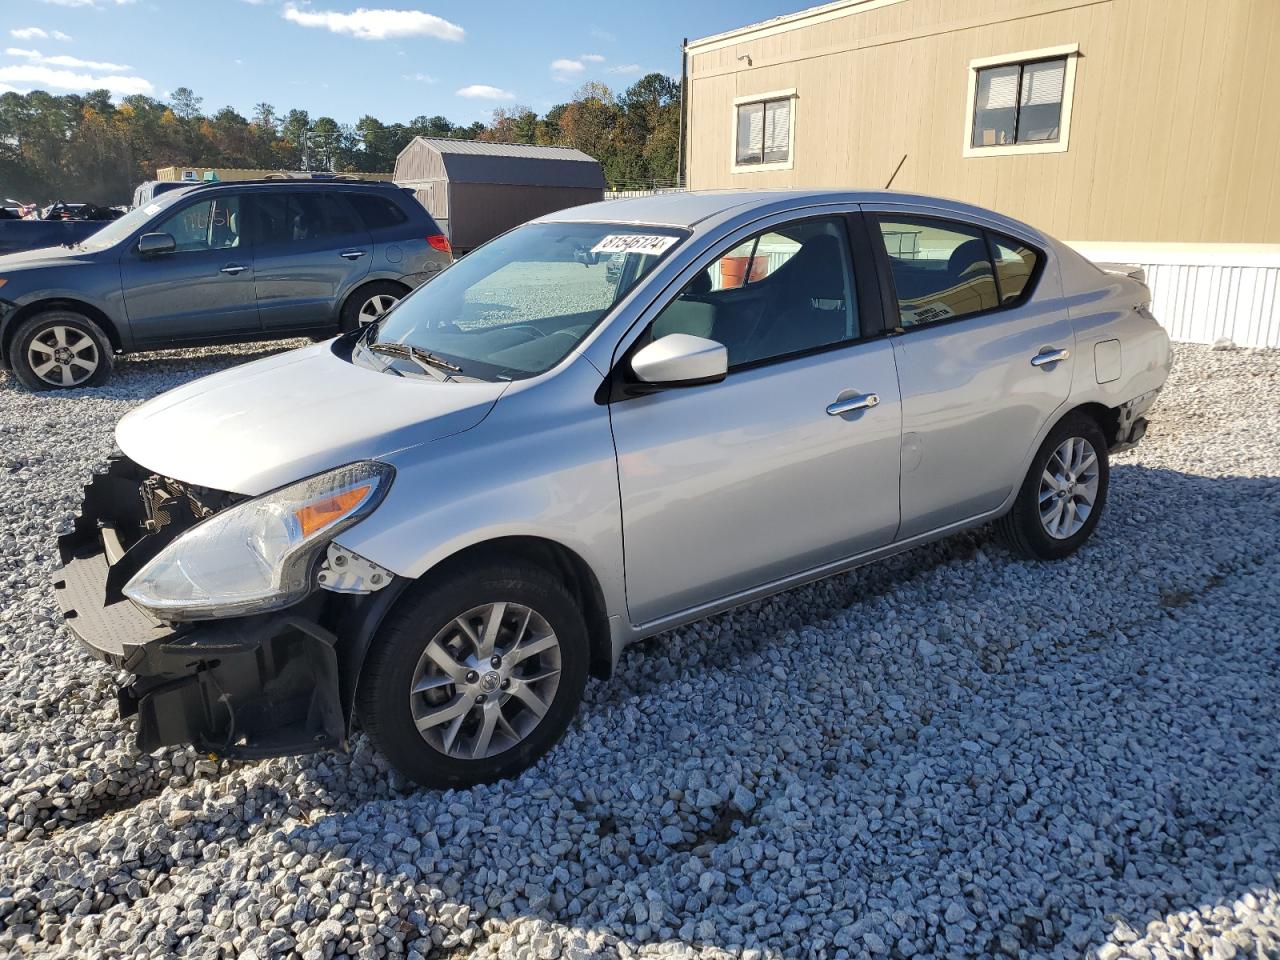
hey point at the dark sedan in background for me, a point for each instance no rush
(215, 263)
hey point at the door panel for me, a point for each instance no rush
(733, 485)
(309, 252)
(204, 289)
(972, 401)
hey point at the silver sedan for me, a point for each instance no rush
(604, 424)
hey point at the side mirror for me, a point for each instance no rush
(681, 360)
(156, 244)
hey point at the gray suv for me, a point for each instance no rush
(214, 263)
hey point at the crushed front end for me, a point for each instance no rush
(263, 684)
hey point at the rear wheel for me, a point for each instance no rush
(1062, 497)
(474, 677)
(59, 350)
(369, 303)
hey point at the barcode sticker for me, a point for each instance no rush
(639, 243)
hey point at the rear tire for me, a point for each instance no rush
(1063, 495)
(367, 304)
(60, 350)
(428, 712)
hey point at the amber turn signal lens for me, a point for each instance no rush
(318, 514)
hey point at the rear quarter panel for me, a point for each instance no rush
(1103, 309)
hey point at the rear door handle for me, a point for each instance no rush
(351, 254)
(234, 268)
(1049, 356)
(864, 401)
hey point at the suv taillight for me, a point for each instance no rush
(440, 242)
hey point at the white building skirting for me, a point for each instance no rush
(1202, 292)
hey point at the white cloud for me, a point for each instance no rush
(42, 76)
(376, 24)
(35, 56)
(483, 91)
(626, 69)
(35, 33)
(592, 58)
(419, 77)
(5, 88)
(566, 69)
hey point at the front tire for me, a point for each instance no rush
(1063, 494)
(60, 350)
(475, 676)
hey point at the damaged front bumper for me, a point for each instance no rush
(247, 687)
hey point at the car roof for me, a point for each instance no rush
(292, 182)
(691, 208)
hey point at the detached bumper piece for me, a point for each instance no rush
(248, 687)
(1131, 425)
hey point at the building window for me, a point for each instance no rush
(763, 131)
(1020, 103)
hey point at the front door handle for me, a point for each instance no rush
(864, 401)
(351, 254)
(1049, 356)
(234, 268)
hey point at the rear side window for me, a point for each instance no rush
(941, 269)
(301, 217)
(376, 212)
(1015, 265)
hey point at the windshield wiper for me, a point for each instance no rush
(424, 360)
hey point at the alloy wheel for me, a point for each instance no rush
(485, 681)
(1068, 488)
(375, 307)
(62, 356)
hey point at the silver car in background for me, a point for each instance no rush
(604, 424)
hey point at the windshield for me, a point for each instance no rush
(118, 230)
(519, 305)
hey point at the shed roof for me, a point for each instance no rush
(475, 161)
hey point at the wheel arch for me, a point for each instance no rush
(362, 622)
(29, 310)
(1107, 418)
(364, 284)
(574, 572)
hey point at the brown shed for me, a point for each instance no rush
(477, 190)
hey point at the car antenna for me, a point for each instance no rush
(895, 171)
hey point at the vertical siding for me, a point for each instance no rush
(1203, 303)
(1174, 129)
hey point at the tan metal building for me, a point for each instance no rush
(1145, 131)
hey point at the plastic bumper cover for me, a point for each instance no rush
(248, 687)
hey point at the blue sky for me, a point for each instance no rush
(396, 59)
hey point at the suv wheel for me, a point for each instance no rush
(474, 677)
(368, 304)
(1062, 497)
(58, 350)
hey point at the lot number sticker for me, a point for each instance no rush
(643, 244)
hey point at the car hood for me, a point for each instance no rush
(41, 257)
(268, 423)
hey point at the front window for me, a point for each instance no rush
(212, 224)
(519, 305)
(763, 132)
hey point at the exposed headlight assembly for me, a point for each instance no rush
(259, 554)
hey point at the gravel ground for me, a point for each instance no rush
(954, 753)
